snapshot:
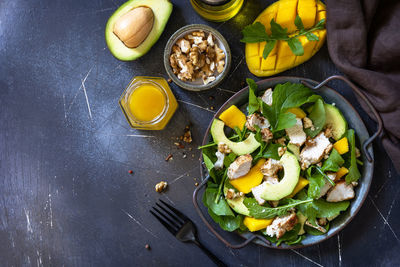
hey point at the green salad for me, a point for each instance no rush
(285, 169)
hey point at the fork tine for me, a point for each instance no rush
(174, 216)
(161, 220)
(171, 221)
(177, 212)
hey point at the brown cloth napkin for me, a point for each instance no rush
(364, 43)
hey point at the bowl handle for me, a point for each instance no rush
(209, 226)
(363, 97)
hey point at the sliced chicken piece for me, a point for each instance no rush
(256, 119)
(257, 191)
(271, 167)
(267, 97)
(327, 184)
(280, 225)
(266, 134)
(219, 164)
(314, 150)
(271, 179)
(241, 166)
(341, 191)
(296, 133)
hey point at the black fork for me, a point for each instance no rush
(181, 227)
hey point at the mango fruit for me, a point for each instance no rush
(254, 224)
(281, 57)
(300, 185)
(342, 145)
(233, 117)
(341, 172)
(251, 179)
(298, 112)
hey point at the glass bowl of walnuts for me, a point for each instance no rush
(197, 57)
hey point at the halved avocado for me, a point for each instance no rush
(287, 184)
(239, 148)
(237, 203)
(335, 119)
(161, 9)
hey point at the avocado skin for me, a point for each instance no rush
(162, 10)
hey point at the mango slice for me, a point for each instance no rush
(254, 224)
(341, 172)
(342, 146)
(298, 112)
(281, 57)
(233, 117)
(251, 179)
(300, 185)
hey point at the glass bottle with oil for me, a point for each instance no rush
(148, 103)
(217, 10)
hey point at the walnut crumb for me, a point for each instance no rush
(161, 186)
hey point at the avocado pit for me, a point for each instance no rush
(133, 27)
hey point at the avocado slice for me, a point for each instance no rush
(335, 119)
(237, 203)
(239, 148)
(161, 10)
(287, 184)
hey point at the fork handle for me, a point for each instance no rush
(211, 255)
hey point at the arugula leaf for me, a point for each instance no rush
(318, 117)
(253, 101)
(218, 196)
(326, 209)
(261, 212)
(299, 23)
(307, 209)
(312, 37)
(220, 208)
(256, 33)
(334, 162)
(354, 173)
(228, 223)
(277, 32)
(285, 96)
(285, 120)
(271, 151)
(268, 48)
(318, 168)
(296, 46)
(316, 183)
(229, 159)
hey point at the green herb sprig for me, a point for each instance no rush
(256, 33)
(261, 212)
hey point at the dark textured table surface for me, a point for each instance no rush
(66, 197)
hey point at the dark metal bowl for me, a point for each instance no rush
(355, 122)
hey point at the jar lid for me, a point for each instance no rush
(215, 2)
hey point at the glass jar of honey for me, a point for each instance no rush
(217, 10)
(148, 103)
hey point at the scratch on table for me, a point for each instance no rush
(384, 219)
(79, 89)
(86, 96)
(236, 67)
(222, 24)
(307, 258)
(383, 186)
(182, 175)
(28, 222)
(138, 223)
(194, 105)
(51, 212)
(170, 200)
(73, 187)
(65, 110)
(128, 135)
(391, 205)
(339, 250)
(39, 258)
(231, 251)
(226, 90)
